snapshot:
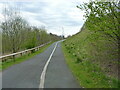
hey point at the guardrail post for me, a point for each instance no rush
(3, 60)
(14, 58)
(33, 51)
(21, 54)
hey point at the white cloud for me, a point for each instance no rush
(37, 23)
(71, 30)
(54, 14)
(26, 13)
(30, 17)
(1, 17)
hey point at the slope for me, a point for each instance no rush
(93, 59)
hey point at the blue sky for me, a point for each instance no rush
(55, 15)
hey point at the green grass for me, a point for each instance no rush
(88, 74)
(93, 59)
(23, 58)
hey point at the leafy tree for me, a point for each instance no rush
(103, 17)
(18, 35)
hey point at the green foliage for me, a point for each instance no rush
(92, 54)
(18, 35)
(0, 43)
(103, 17)
(88, 60)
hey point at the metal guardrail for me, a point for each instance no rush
(3, 58)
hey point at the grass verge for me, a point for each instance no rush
(88, 74)
(18, 60)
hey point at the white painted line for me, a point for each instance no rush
(42, 78)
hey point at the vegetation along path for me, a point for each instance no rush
(46, 70)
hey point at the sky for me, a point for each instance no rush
(58, 16)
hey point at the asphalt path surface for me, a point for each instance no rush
(28, 73)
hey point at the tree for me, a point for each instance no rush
(103, 17)
(18, 35)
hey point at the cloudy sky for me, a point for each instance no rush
(55, 15)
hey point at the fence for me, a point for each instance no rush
(6, 57)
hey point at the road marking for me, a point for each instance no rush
(42, 78)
